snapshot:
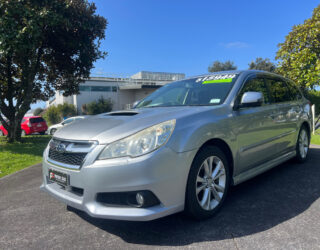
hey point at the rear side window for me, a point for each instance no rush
(294, 91)
(36, 120)
(255, 85)
(279, 90)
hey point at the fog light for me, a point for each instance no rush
(140, 199)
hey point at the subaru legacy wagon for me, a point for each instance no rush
(180, 148)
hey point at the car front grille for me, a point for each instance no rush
(69, 153)
(67, 158)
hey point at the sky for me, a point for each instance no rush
(185, 36)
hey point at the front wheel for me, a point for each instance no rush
(302, 147)
(208, 183)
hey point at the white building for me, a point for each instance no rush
(123, 92)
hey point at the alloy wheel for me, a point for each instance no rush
(303, 143)
(210, 183)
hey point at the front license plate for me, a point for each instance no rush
(58, 177)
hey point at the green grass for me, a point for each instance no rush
(16, 156)
(315, 139)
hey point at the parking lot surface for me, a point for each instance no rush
(277, 210)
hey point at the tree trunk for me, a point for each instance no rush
(14, 130)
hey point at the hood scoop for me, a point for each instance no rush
(122, 113)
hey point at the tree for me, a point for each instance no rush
(299, 54)
(37, 111)
(98, 107)
(222, 66)
(262, 64)
(45, 45)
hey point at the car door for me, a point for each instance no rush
(254, 127)
(288, 113)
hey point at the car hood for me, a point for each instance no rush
(113, 126)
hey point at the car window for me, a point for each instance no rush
(204, 90)
(279, 90)
(255, 84)
(174, 95)
(67, 121)
(36, 120)
(294, 91)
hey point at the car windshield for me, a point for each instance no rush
(199, 91)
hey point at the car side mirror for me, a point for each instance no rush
(134, 105)
(251, 99)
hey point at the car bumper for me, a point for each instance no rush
(163, 172)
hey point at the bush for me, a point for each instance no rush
(98, 107)
(67, 110)
(52, 115)
(314, 97)
(55, 114)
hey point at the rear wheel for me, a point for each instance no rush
(208, 183)
(302, 147)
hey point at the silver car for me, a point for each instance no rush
(52, 129)
(180, 149)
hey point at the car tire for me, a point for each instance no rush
(208, 183)
(303, 142)
(52, 131)
(23, 133)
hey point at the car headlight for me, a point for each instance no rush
(141, 143)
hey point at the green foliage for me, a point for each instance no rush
(315, 139)
(262, 64)
(16, 156)
(52, 115)
(98, 107)
(314, 97)
(44, 46)
(37, 111)
(55, 114)
(222, 66)
(67, 110)
(299, 54)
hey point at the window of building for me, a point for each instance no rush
(84, 88)
(101, 88)
(98, 88)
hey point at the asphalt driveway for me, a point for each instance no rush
(277, 210)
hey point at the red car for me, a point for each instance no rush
(29, 125)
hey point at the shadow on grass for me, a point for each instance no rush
(32, 145)
(252, 207)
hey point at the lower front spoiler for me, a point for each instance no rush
(97, 210)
